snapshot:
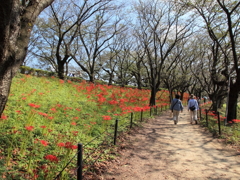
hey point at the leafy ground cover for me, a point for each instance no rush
(229, 133)
(45, 119)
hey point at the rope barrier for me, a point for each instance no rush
(106, 133)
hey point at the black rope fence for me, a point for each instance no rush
(216, 115)
(106, 142)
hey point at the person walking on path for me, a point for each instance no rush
(193, 107)
(176, 107)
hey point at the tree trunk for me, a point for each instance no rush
(139, 82)
(110, 79)
(16, 22)
(153, 97)
(91, 78)
(5, 84)
(61, 69)
(232, 101)
(153, 94)
(182, 93)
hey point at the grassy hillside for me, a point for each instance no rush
(45, 118)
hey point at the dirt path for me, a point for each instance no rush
(162, 150)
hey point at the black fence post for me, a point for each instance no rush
(79, 162)
(219, 123)
(156, 110)
(150, 111)
(141, 115)
(115, 132)
(200, 114)
(206, 117)
(161, 108)
(131, 120)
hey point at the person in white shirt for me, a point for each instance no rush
(193, 108)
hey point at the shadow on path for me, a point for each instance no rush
(162, 150)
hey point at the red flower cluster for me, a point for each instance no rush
(73, 123)
(106, 118)
(236, 120)
(34, 105)
(67, 145)
(3, 117)
(29, 128)
(112, 102)
(44, 143)
(51, 158)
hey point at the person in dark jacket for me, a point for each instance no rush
(176, 107)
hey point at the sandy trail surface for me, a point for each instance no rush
(162, 150)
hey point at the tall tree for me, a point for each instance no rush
(59, 29)
(161, 27)
(16, 22)
(95, 35)
(221, 20)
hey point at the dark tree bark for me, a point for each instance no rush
(232, 101)
(16, 22)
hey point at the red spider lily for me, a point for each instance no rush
(18, 111)
(53, 109)
(93, 123)
(112, 102)
(106, 118)
(44, 143)
(51, 158)
(145, 108)
(61, 144)
(69, 145)
(75, 118)
(74, 147)
(43, 114)
(29, 128)
(61, 81)
(73, 123)
(34, 105)
(24, 98)
(50, 117)
(78, 109)
(236, 120)
(59, 105)
(101, 99)
(3, 116)
(137, 109)
(144, 99)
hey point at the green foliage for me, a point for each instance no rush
(231, 132)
